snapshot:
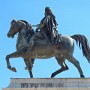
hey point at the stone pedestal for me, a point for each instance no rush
(49, 84)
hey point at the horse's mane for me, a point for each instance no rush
(24, 21)
(27, 24)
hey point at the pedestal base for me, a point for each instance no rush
(49, 84)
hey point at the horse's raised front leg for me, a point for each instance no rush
(12, 55)
(61, 62)
(76, 64)
(29, 65)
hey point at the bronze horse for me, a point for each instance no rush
(43, 49)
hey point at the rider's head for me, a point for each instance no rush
(48, 12)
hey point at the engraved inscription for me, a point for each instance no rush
(41, 85)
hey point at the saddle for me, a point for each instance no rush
(41, 37)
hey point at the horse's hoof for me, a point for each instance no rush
(31, 76)
(12, 69)
(52, 76)
(82, 76)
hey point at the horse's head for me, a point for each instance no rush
(17, 26)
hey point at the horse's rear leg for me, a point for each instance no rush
(61, 62)
(12, 55)
(76, 64)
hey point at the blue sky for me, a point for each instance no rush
(73, 17)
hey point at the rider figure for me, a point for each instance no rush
(48, 24)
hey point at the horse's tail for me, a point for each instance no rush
(82, 41)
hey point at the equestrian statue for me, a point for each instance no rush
(45, 43)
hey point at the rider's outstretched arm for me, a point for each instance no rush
(39, 26)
